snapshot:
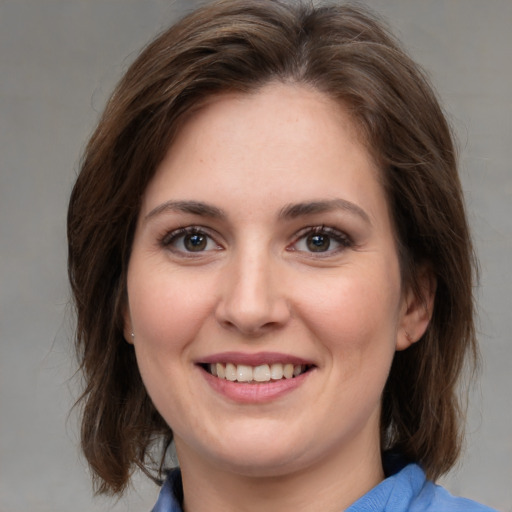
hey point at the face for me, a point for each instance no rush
(264, 288)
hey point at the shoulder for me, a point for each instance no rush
(434, 498)
(407, 490)
(424, 495)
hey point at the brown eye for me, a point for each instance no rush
(318, 242)
(189, 240)
(195, 242)
(321, 240)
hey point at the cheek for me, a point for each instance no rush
(356, 316)
(166, 309)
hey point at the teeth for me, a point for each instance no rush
(261, 373)
(221, 370)
(288, 371)
(244, 373)
(230, 372)
(276, 371)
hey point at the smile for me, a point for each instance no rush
(256, 374)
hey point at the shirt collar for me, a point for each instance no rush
(394, 494)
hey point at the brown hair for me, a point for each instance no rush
(241, 45)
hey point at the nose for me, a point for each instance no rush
(253, 301)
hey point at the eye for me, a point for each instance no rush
(189, 240)
(321, 239)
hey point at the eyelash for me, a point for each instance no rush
(335, 235)
(170, 238)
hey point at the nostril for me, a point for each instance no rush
(251, 329)
(253, 319)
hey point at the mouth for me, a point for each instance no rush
(261, 373)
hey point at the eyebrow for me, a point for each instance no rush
(192, 207)
(293, 211)
(290, 211)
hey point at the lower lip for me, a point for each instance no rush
(261, 392)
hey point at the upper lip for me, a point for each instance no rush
(256, 359)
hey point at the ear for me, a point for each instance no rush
(127, 327)
(417, 308)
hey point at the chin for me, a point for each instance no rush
(250, 454)
(261, 464)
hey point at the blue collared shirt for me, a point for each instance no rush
(407, 490)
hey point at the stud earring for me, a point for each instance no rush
(132, 335)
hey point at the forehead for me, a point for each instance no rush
(280, 104)
(284, 141)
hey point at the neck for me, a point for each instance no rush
(330, 485)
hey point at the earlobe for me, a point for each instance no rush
(128, 334)
(417, 310)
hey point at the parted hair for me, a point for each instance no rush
(241, 45)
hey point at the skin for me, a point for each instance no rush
(257, 287)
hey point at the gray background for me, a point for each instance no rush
(58, 61)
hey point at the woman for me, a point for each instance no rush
(272, 268)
